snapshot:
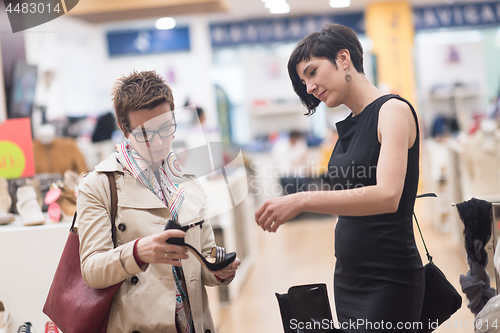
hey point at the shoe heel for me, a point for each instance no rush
(220, 263)
(222, 260)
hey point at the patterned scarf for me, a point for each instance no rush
(172, 196)
(170, 174)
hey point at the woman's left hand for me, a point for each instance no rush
(277, 211)
(229, 271)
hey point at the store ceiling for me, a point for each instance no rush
(100, 11)
(256, 8)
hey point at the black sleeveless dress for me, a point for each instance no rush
(379, 278)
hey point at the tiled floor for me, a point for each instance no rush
(301, 252)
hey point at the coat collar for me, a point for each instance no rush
(135, 195)
(111, 164)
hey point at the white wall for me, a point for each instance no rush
(85, 74)
(186, 72)
(75, 52)
(434, 69)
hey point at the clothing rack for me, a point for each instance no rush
(493, 204)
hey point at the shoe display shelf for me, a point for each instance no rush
(29, 256)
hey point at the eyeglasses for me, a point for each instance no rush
(148, 136)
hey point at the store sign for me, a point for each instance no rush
(277, 30)
(147, 41)
(16, 149)
(478, 14)
(296, 28)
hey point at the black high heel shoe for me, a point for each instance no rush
(220, 258)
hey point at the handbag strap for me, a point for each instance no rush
(114, 206)
(429, 257)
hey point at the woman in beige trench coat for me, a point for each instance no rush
(148, 300)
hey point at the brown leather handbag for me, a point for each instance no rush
(72, 305)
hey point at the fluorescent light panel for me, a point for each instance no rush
(165, 23)
(277, 6)
(280, 9)
(340, 3)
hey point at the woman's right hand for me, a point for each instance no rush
(155, 249)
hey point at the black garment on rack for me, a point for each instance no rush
(477, 216)
(379, 277)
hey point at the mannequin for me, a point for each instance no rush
(54, 154)
(482, 160)
(46, 134)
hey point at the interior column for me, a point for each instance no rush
(389, 25)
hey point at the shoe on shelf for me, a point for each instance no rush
(218, 258)
(27, 206)
(26, 328)
(50, 327)
(5, 198)
(71, 179)
(4, 318)
(6, 218)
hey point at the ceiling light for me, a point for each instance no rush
(165, 23)
(281, 8)
(340, 3)
(274, 3)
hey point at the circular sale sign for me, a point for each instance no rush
(12, 160)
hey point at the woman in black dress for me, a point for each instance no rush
(374, 169)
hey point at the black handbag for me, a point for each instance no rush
(306, 309)
(441, 299)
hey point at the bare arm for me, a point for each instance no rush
(397, 132)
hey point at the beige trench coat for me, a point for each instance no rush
(146, 300)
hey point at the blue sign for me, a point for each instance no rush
(277, 30)
(477, 14)
(147, 41)
(295, 28)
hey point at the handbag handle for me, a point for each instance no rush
(429, 257)
(114, 206)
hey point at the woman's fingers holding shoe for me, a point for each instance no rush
(154, 249)
(173, 256)
(171, 234)
(229, 271)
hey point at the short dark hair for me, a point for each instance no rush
(323, 44)
(139, 90)
(294, 134)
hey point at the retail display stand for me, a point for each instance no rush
(29, 257)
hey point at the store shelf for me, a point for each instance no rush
(458, 92)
